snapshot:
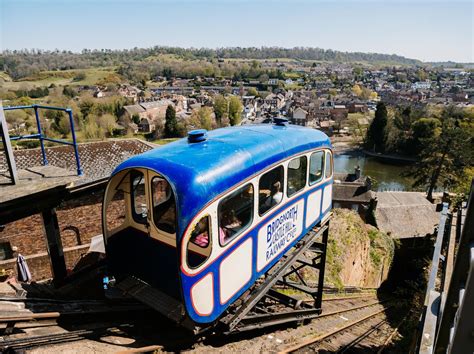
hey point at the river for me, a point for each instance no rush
(387, 175)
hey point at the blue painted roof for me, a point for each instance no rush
(201, 171)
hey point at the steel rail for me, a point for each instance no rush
(57, 314)
(331, 333)
(272, 319)
(392, 334)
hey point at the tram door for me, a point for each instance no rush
(140, 227)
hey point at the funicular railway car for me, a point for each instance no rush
(198, 221)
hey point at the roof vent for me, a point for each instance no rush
(280, 121)
(196, 136)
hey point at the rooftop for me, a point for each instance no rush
(42, 184)
(405, 214)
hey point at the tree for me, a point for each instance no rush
(356, 90)
(220, 108)
(235, 110)
(135, 118)
(107, 123)
(69, 92)
(376, 134)
(252, 91)
(63, 126)
(445, 154)
(171, 129)
(80, 76)
(202, 118)
(424, 130)
(86, 107)
(91, 129)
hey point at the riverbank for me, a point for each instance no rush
(390, 157)
(387, 175)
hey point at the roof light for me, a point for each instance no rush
(198, 135)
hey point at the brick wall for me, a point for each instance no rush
(77, 218)
(39, 264)
(80, 219)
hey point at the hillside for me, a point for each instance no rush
(20, 64)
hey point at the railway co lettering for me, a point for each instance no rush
(281, 231)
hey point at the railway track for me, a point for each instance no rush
(73, 321)
(370, 332)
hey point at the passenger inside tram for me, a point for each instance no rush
(200, 234)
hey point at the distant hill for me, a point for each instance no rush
(316, 54)
(23, 63)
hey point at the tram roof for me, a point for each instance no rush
(201, 171)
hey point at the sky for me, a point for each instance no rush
(429, 30)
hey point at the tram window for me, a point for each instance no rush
(164, 205)
(199, 245)
(316, 167)
(139, 210)
(235, 214)
(328, 171)
(296, 175)
(270, 190)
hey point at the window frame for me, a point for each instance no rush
(208, 248)
(323, 171)
(288, 177)
(138, 218)
(282, 189)
(219, 209)
(152, 201)
(327, 154)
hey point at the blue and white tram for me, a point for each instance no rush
(202, 218)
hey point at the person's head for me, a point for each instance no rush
(202, 225)
(276, 188)
(228, 217)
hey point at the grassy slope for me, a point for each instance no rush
(59, 78)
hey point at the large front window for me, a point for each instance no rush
(164, 205)
(141, 199)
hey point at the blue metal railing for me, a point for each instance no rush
(42, 137)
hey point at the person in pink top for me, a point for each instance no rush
(201, 233)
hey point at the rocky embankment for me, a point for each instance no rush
(358, 254)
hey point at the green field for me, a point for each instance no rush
(59, 78)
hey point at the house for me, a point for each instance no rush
(129, 91)
(300, 116)
(288, 82)
(421, 85)
(273, 82)
(275, 101)
(156, 109)
(352, 191)
(151, 111)
(339, 112)
(357, 107)
(134, 109)
(146, 126)
(250, 110)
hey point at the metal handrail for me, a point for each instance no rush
(41, 137)
(432, 305)
(456, 330)
(447, 317)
